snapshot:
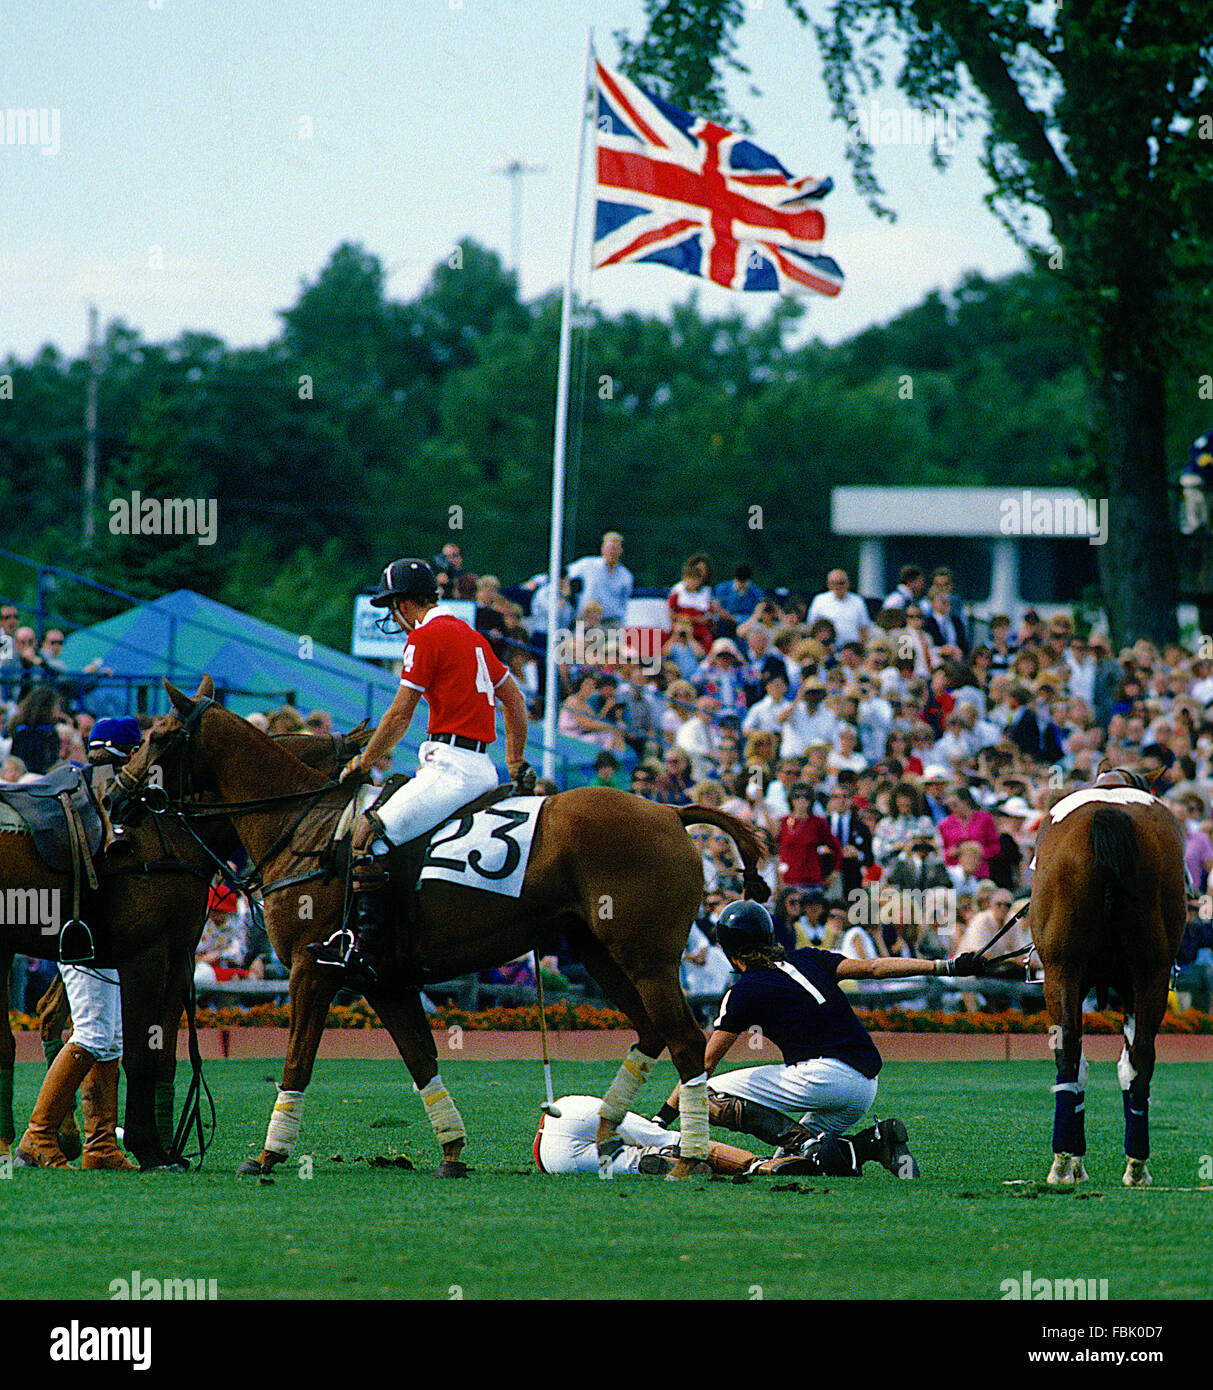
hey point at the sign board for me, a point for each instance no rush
(370, 642)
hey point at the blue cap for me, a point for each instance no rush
(120, 731)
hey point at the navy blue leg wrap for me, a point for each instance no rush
(1069, 1128)
(1137, 1123)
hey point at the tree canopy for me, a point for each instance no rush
(372, 428)
(1094, 113)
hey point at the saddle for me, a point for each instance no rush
(60, 812)
(405, 859)
(67, 824)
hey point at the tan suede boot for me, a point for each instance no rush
(39, 1146)
(99, 1104)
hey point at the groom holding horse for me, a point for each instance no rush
(461, 677)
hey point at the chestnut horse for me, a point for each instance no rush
(153, 892)
(1108, 909)
(617, 876)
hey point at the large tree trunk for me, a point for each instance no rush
(1137, 567)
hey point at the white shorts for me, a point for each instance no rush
(570, 1144)
(96, 1006)
(446, 779)
(832, 1095)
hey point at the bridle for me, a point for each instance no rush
(184, 809)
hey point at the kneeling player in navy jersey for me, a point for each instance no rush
(830, 1064)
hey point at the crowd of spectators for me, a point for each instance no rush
(895, 763)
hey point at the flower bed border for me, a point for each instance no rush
(591, 1018)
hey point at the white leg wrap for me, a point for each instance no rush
(283, 1132)
(445, 1119)
(693, 1119)
(632, 1074)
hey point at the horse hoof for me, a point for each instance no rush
(1066, 1171)
(1137, 1174)
(250, 1168)
(686, 1169)
(451, 1168)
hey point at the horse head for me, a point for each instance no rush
(1108, 776)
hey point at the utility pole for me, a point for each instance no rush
(514, 171)
(90, 433)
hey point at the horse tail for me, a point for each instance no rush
(742, 835)
(1115, 854)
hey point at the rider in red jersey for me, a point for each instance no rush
(462, 679)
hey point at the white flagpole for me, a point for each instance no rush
(551, 690)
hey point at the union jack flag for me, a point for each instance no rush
(687, 193)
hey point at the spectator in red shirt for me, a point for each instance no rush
(967, 821)
(802, 837)
(691, 598)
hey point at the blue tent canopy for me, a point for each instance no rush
(255, 666)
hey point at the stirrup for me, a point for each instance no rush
(83, 957)
(337, 949)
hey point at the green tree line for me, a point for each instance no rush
(371, 428)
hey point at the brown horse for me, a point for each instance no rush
(618, 876)
(153, 891)
(1108, 910)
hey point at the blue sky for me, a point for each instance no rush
(212, 155)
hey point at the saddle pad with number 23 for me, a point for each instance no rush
(489, 850)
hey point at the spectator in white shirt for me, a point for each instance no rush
(605, 580)
(846, 752)
(847, 611)
(956, 746)
(765, 714)
(808, 718)
(699, 738)
(911, 585)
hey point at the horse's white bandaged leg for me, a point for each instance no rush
(693, 1119)
(445, 1119)
(632, 1074)
(283, 1132)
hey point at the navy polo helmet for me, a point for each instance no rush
(116, 734)
(743, 927)
(405, 579)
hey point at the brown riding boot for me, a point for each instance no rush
(39, 1146)
(99, 1102)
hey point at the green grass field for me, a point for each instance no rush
(356, 1231)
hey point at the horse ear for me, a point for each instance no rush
(1104, 766)
(181, 703)
(206, 689)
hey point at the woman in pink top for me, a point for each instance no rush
(966, 821)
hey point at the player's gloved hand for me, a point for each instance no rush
(970, 964)
(523, 778)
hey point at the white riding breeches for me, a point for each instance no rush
(832, 1095)
(96, 1004)
(446, 778)
(569, 1143)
